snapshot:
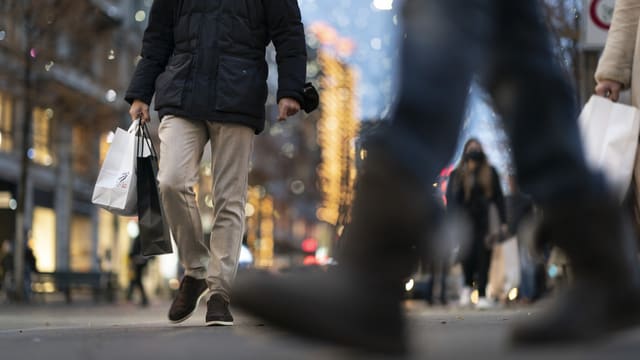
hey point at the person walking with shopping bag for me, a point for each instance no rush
(205, 63)
(619, 69)
(474, 189)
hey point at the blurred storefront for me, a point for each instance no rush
(80, 67)
(302, 171)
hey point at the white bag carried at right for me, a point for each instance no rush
(504, 270)
(610, 136)
(115, 189)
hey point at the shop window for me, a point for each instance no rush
(105, 144)
(42, 152)
(81, 149)
(81, 245)
(6, 123)
(43, 238)
(107, 241)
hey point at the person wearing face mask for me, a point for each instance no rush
(474, 187)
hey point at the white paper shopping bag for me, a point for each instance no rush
(610, 136)
(115, 189)
(504, 270)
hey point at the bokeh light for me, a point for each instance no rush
(141, 16)
(383, 4)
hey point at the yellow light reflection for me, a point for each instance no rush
(174, 284)
(475, 297)
(43, 238)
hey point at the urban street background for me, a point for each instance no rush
(64, 68)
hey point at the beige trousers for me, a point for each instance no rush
(182, 144)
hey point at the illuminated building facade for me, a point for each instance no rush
(337, 130)
(80, 68)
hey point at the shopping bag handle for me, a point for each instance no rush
(134, 126)
(145, 138)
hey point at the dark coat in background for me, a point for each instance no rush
(476, 198)
(473, 192)
(205, 60)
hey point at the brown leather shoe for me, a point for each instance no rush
(191, 291)
(218, 313)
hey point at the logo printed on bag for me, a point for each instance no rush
(122, 180)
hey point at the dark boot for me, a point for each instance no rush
(604, 296)
(358, 303)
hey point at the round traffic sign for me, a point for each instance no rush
(601, 12)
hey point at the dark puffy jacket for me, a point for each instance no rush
(205, 59)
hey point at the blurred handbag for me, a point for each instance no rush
(115, 188)
(610, 135)
(155, 236)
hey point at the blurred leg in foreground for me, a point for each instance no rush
(448, 41)
(530, 91)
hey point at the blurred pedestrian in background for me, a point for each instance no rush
(619, 69)
(447, 42)
(7, 263)
(474, 189)
(204, 61)
(138, 263)
(30, 267)
(521, 220)
(6, 268)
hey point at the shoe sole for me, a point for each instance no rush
(219, 323)
(204, 293)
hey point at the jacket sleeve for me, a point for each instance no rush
(616, 62)
(157, 47)
(287, 33)
(498, 196)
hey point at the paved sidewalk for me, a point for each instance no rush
(128, 332)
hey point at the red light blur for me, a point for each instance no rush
(310, 260)
(310, 245)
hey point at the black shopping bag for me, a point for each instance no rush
(155, 236)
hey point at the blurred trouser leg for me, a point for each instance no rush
(182, 143)
(445, 40)
(476, 265)
(130, 290)
(140, 285)
(231, 148)
(27, 285)
(445, 44)
(393, 206)
(444, 268)
(531, 92)
(484, 262)
(527, 288)
(469, 265)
